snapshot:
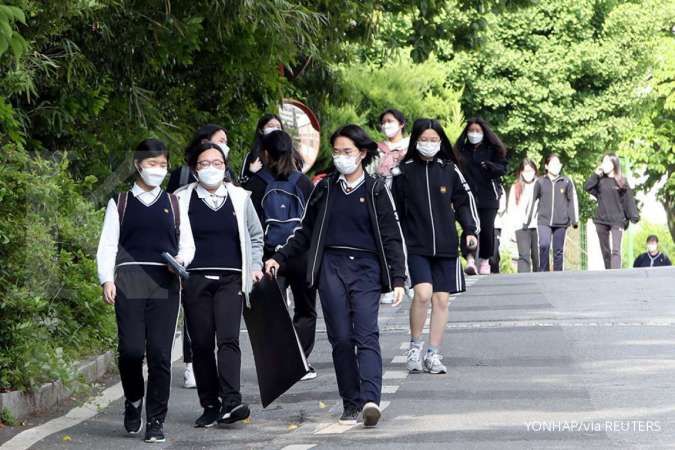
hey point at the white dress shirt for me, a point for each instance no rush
(213, 200)
(348, 187)
(110, 234)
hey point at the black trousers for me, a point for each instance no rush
(486, 238)
(294, 273)
(213, 309)
(528, 250)
(556, 235)
(187, 344)
(146, 309)
(610, 244)
(496, 258)
(349, 289)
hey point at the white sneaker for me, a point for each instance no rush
(371, 414)
(189, 381)
(484, 267)
(387, 299)
(415, 358)
(432, 363)
(309, 375)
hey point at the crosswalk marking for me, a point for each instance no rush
(336, 428)
(395, 375)
(389, 389)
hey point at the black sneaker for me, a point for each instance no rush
(209, 418)
(133, 420)
(232, 414)
(350, 416)
(154, 432)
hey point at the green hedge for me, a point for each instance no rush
(50, 303)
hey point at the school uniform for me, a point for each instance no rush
(228, 240)
(648, 260)
(430, 196)
(485, 184)
(148, 294)
(616, 208)
(355, 253)
(293, 273)
(527, 238)
(557, 208)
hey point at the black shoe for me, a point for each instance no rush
(133, 420)
(232, 414)
(154, 432)
(209, 418)
(350, 416)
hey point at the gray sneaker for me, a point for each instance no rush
(415, 359)
(432, 363)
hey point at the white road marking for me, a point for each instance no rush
(395, 375)
(405, 345)
(299, 447)
(399, 359)
(389, 389)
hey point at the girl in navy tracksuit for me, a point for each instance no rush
(430, 193)
(616, 208)
(139, 226)
(557, 208)
(356, 252)
(482, 159)
(227, 261)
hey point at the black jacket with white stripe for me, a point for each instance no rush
(312, 235)
(430, 196)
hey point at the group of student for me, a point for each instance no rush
(382, 220)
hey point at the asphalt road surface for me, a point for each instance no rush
(563, 360)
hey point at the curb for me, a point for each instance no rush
(22, 404)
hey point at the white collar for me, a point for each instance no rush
(353, 185)
(136, 190)
(203, 193)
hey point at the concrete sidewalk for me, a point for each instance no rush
(576, 359)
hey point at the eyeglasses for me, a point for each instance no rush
(217, 163)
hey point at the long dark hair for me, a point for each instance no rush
(489, 137)
(202, 135)
(256, 146)
(447, 151)
(519, 185)
(278, 154)
(618, 176)
(360, 139)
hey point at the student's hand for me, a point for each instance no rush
(399, 292)
(255, 166)
(109, 292)
(525, 227)
(599, 172)
(471, 242)
(271, 267)
(257, 276)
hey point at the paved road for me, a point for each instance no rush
(542, 360)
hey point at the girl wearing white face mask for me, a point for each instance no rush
(482, 158)
(393, 149)
(431, 194)
(616, 208)
(139, 226)
(228, 260)
(520, 198)
(554, 199)
(253, 160)
(356, 252)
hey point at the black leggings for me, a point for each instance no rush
(486, 238)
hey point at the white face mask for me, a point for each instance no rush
(428, 149)
(211, 177)
(607, 167)
(346, 165)
(528, 175)
(152, 176)
(268, 130)
(475, 137)
(652, 247)
(390, 129)
(554, 168)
